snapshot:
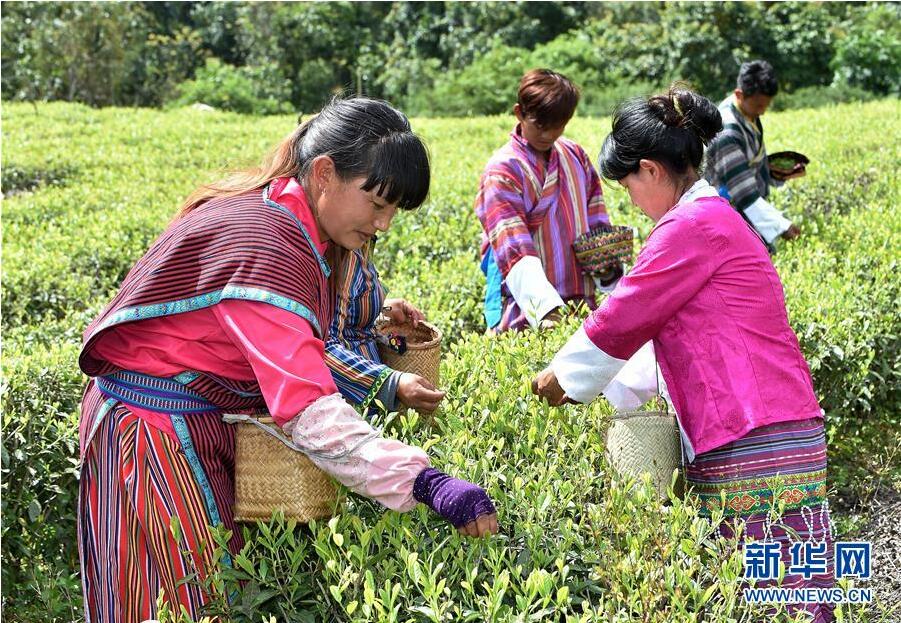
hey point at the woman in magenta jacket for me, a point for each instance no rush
(705, 292)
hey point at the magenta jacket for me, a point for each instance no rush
(705, 291)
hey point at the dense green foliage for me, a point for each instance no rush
(437, 58)
(246, 89)
(86, 192)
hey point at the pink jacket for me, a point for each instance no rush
(704, 290)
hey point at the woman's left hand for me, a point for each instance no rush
(402, 312)
(465, 505)
(548, 387)
(417, 393)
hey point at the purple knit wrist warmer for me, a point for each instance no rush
(456, 500)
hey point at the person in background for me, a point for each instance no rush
(737, 163)
(538, 193)
(351, 351)
(704, 291)
(227, 312)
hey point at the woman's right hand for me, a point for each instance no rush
(418, 393)
(400, 311)
(548, 387)
(792, 232)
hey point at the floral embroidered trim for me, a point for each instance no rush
(374, 390)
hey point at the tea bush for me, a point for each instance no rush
(817, 97)
(88, 190)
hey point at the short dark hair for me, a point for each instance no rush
(672, 128)
(548, 97)
(757, 77)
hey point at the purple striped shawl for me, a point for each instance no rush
(245, 247)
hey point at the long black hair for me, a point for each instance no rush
(368, 138)
(671, 128)
(364, 137)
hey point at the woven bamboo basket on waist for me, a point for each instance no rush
(270, 475)
(423, 354)
(641, 442)
(604, 248)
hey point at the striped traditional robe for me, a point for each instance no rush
(136, 479)
(246, 247)
(351, 352)
(532, 207)
(737, 163)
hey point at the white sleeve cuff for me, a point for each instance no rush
(766, 219)
(531, 290)
(583, 369)
(637, 382)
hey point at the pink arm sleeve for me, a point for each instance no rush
(345, 446)
(673, 266)
(288, 361)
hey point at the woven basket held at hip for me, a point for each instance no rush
(641, 442)
(604, 248)
(271, 474)
(419, 352)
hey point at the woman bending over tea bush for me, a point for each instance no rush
(704, 291)
(227, 311)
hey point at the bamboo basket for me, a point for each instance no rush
(641, 442)
(423, 354)
(604, 248)
(271, 475)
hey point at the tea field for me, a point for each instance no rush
(85, 193)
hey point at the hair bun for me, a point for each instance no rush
(702, 115)
(683, 108)
(664, 108)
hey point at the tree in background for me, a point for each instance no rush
(868, 55)
(70, 51)
(436, 58)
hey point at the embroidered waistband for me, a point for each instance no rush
(165, 395)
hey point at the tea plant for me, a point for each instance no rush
(87, 191)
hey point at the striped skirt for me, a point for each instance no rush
(774, 464)
(135, 480)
